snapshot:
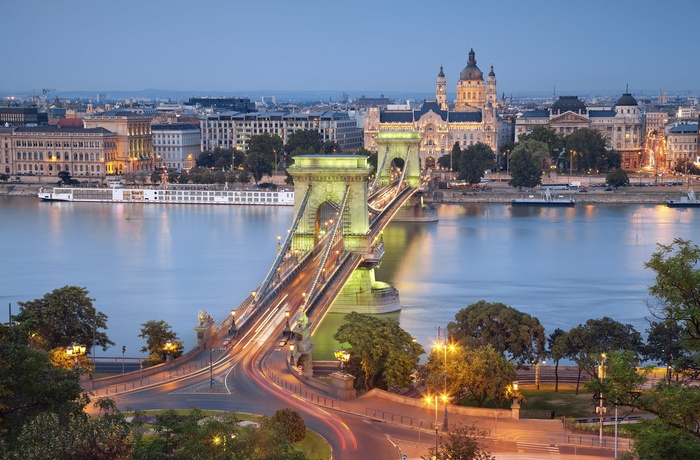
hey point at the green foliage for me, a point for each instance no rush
(292, 424)
(244, 177)
(48, 435)
(621, 384)
(387, 354)
(557, 349)
(677, 287)
(517, 335)
(665, 346)
(259, 164)
(617, 178)
(525, 164)
(219, 159)
(30, 385)
(588, 149)
(330, 147)
(462, 443)
(157, 176)
(474, 161)
(654, 440)
(303, 142)
(61, 318)
(554, 141)
(588, 342)
(158, 334)
(4, 177)
(485, 374)
(451, 160)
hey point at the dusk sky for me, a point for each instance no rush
(353, 46)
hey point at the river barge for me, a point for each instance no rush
(547, 199)
(172, 194)
(687, 201)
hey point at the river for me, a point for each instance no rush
(143, 262)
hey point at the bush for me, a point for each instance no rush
(293, 424)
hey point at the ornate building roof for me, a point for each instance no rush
(626, 99)
(566, 103)
(471, 71)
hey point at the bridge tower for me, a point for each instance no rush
(329, 176)
(403, 145)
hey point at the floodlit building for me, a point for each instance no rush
(471, 119)
(620, 125)
(176, 146)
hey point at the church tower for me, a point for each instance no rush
(471, 91)
(441, 90)
(491, 94)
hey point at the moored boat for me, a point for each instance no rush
(172, 194)
(547, 199)
(687, 201)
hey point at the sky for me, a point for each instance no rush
(372, 47)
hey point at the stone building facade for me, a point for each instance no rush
(621, 125)
(471, 119)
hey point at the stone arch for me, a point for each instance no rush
(396, 144)
(329, 176)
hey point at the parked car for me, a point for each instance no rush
(608, 189)
(583, 190)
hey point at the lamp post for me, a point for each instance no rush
(600, 410)
(287, 327)
(429, 400)
(75, 350)
(291, 354)
(211, 367)
(343, 356)
(445, 346)
(232, 329)
(123, 351)
(168, 349)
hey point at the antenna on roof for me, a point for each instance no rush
(627, 88)
(554, 93)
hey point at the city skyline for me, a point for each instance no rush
(379, 47)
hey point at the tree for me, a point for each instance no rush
(525, 164)
(554, 141)
(587, 147)
(665, 347)
(303, 141)
(31, 385)
(157, 176)
(484, 373)
(259, 164)
(474, 161)
(63, 317)
(219, 159)
(589, 341)
(244, 177)
(158, 335)
(677, 287)
(330, 147)
(617, 178)
(462, 444)
(387, 354)
(519, 336)
(292, 423)
(557, 349)
(451, 160)
(655, 440)
(49, 435)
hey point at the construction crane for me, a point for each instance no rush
(37, 98)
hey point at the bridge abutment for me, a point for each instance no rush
(364, 294)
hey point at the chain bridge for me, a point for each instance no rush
(326, 260)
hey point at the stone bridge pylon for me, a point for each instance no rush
(330, 178)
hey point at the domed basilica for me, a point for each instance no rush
(471, 119)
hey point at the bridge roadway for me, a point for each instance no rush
(253, 374)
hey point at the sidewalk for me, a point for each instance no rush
(501, 434)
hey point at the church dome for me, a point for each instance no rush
(492, 73)
(626, 99)
(568, 103)
(441, 74)
(471, 71)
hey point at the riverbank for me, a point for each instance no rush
(494, 193)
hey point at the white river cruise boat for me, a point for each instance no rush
(173, 194)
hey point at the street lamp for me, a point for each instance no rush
(232, 328)
(600, 410)
(445, 346)
(343, 356)
(287, 327)
(291, 353)
(429, 400)
(168, 349)
(76, 350)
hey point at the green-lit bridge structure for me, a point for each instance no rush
(326, 260)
